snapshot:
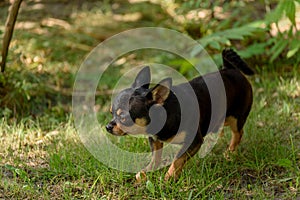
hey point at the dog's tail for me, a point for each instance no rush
(231, 60)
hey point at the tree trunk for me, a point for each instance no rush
(9, 28)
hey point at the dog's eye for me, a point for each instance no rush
(123, 119)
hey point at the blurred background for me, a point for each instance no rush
(52, 38)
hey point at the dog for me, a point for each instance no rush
(132, 111)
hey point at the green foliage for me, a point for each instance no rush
(287, 7)
(15, 93)
(289, 39)
(259, 38)
(27, 94)
(224, 38)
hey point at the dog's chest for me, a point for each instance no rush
(179, 138)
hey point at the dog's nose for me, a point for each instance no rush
(109, 127)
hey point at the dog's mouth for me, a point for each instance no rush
(118, 129)
(114, 129)
(119, 134)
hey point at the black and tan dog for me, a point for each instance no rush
(132, 111)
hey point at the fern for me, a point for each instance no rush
(287, 42)
(292, 44)
(294, 47)
(287, 7)
(221, 38)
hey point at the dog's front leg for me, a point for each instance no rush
(156, 148)
(181, 158)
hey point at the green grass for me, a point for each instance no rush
(53, 163)
(42, 156)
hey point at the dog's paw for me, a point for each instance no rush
(141, 177)
(167, 177)
(171, 177)
(229, 155)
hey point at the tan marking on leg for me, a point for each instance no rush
(154, 163)
(157, 153)
(229, 121)
(156, 156)
(140, 177)
(177, 165)
(236, 135)
(176, 168)
(221, 134)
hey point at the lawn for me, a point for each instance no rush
(42, 156)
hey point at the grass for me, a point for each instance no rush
(42, 156)
(53, 163)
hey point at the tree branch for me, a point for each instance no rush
(9, 28)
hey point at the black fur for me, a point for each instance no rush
(136, 102)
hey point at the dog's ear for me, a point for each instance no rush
(161, 91)
(142, 79)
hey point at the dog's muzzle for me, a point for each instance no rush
(110, 126)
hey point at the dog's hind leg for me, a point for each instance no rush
(236, 126)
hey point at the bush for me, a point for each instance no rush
(264, 37)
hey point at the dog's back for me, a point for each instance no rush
(238, 92)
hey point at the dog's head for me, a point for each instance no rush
(130, 108)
